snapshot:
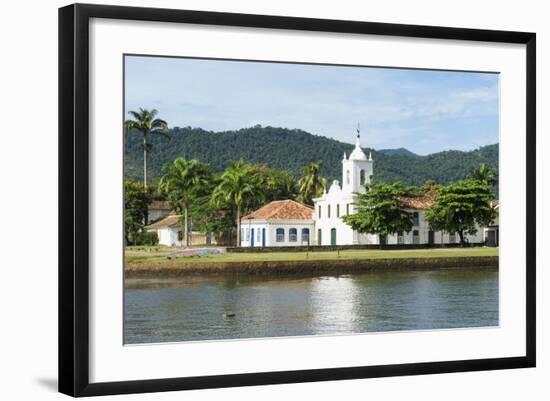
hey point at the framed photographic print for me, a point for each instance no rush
(251, 199)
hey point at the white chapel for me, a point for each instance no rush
(330, 229)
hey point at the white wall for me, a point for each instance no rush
(29, 91)
(271, 233)
(168, 236)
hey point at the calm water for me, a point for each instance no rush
(192, 308)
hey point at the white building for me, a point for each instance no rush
(491, 233)
(357, 170)
(279, 223)
(421, 233)
(170, 233)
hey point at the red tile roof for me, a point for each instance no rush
(282, 210)
(420, 202)
(169, 221)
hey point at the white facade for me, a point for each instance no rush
(260, 233)
(168, 236)
(421, 233)
(330, 229)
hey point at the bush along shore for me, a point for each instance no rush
(339, 264)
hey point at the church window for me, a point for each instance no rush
(293, 235)
(280, 235)
(328, 211)
(338, 210)
(319, 211)
(415, 218)
(305, 235)
(347, 177)
(362, 177)
(347, 208)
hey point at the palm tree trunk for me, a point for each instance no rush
(186, 228)
(145, 164)
(238, 226)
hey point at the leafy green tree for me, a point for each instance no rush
(311, 184)
(277, 184)
(281, 185)
(484, 174)
(136, 202)
(182, 182)
(378, 211)
(460, 206)
(239, 186)
(145, 123)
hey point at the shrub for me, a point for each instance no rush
(145, 238)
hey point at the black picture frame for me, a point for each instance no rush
(74, 198)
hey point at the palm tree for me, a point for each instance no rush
(484, 174)
(311, 184)
(239, 186)
(181, 182)
(145, 122)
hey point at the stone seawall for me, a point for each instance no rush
(333, 248)
(311, 267)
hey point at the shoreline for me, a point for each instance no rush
(278, 267)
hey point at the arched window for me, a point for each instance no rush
(338, 210)
(347, 208)
(347, 176)
(328, 211)
(362, 177)
(280, 235)
(415, 218)
(293, 235)
(319, 211)
(305, 235)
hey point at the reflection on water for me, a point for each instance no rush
(193, 308)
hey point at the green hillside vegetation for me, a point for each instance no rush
(291, 150)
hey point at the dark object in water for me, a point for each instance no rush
(228, 315)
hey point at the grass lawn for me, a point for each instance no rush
(158, 255)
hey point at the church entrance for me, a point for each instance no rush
(332, 236)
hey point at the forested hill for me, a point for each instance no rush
(291, 149)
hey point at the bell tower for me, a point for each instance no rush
(357, 169)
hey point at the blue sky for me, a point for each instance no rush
(423, 111)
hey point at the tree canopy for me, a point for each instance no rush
(460, 206)
(292, 149)
(378, 211)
